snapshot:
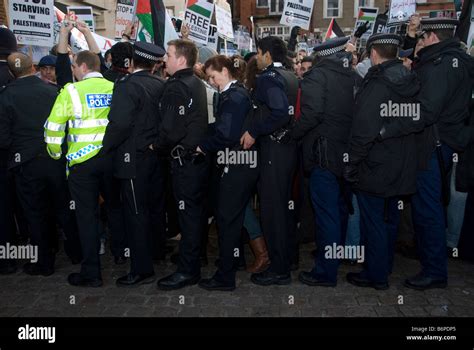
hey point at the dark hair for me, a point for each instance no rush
(235, 66)
(21, 69)
(143, 63)
(307, 59)
(251, 73)
(186, 49)
(122, 54)
(388, 52)
(90, 59)
(444, 34)
(275, 46)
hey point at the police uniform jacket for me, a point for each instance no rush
(327, 104)
(25, 105)
(133, 120)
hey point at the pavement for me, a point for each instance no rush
(26, 296)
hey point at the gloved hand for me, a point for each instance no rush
(361, 29)
(350, 173)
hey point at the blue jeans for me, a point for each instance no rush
(456, 208)
(331, 220)
(251, 223)
(353, 237)
(429, 217)
(379, 235)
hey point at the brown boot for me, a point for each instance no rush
(259, 249)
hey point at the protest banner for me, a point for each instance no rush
(125, 15)
(198, 17)
(297, 13)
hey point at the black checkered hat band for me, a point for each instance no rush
(146, 55)
(437, 26)
(331, 51)
(386, 42)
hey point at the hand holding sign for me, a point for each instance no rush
(363, 28)
(82, 27)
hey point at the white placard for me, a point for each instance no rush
(31, 22)
(83, 14)
(224, 23)
(124, 16)
(297, 13)
(198, 17)
(401, 10)
(213, 37)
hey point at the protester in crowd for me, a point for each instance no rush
(47, 68)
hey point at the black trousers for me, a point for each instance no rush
(234, 192)
(157, 208)
(6, 213)
(277, 165)
(41, 186)
(87, 181)
(138, 195)
(190, 188)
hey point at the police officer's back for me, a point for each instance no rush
(26, 104)
(182, 128)
(134, 117)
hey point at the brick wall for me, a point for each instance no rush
(3, 12)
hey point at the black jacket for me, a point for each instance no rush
(327, 103)
(446, 74)
(133, 120)
(276, 92)
(233, 110)
(184, 112)
(387, 168)
(6, 76)
(25, 105)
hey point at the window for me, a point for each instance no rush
(262, 3)
(276, 6)
(332, 8)
(282, 32)
(361, 3)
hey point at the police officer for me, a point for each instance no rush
(239, 175)
(182, 129)
(84, 106)
(130, 133)
(442, 131)
(275, 96)
(326, 116)
(382, 170)
(25, 106)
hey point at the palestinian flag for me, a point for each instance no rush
(367, 14)
(334, 30)
(155, 24)
(193, 5)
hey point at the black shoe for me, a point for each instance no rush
(37, 270)
(213, 284)
(7, 268)
(77, 280)
(268, 278)
(422, 282)
(360, 281)
(135, 280)
(120, 260)
(177, 281)
(310, 280)
(241, 265)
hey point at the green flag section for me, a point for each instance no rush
(155, 24)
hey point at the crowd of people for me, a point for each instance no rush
(146, 143)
